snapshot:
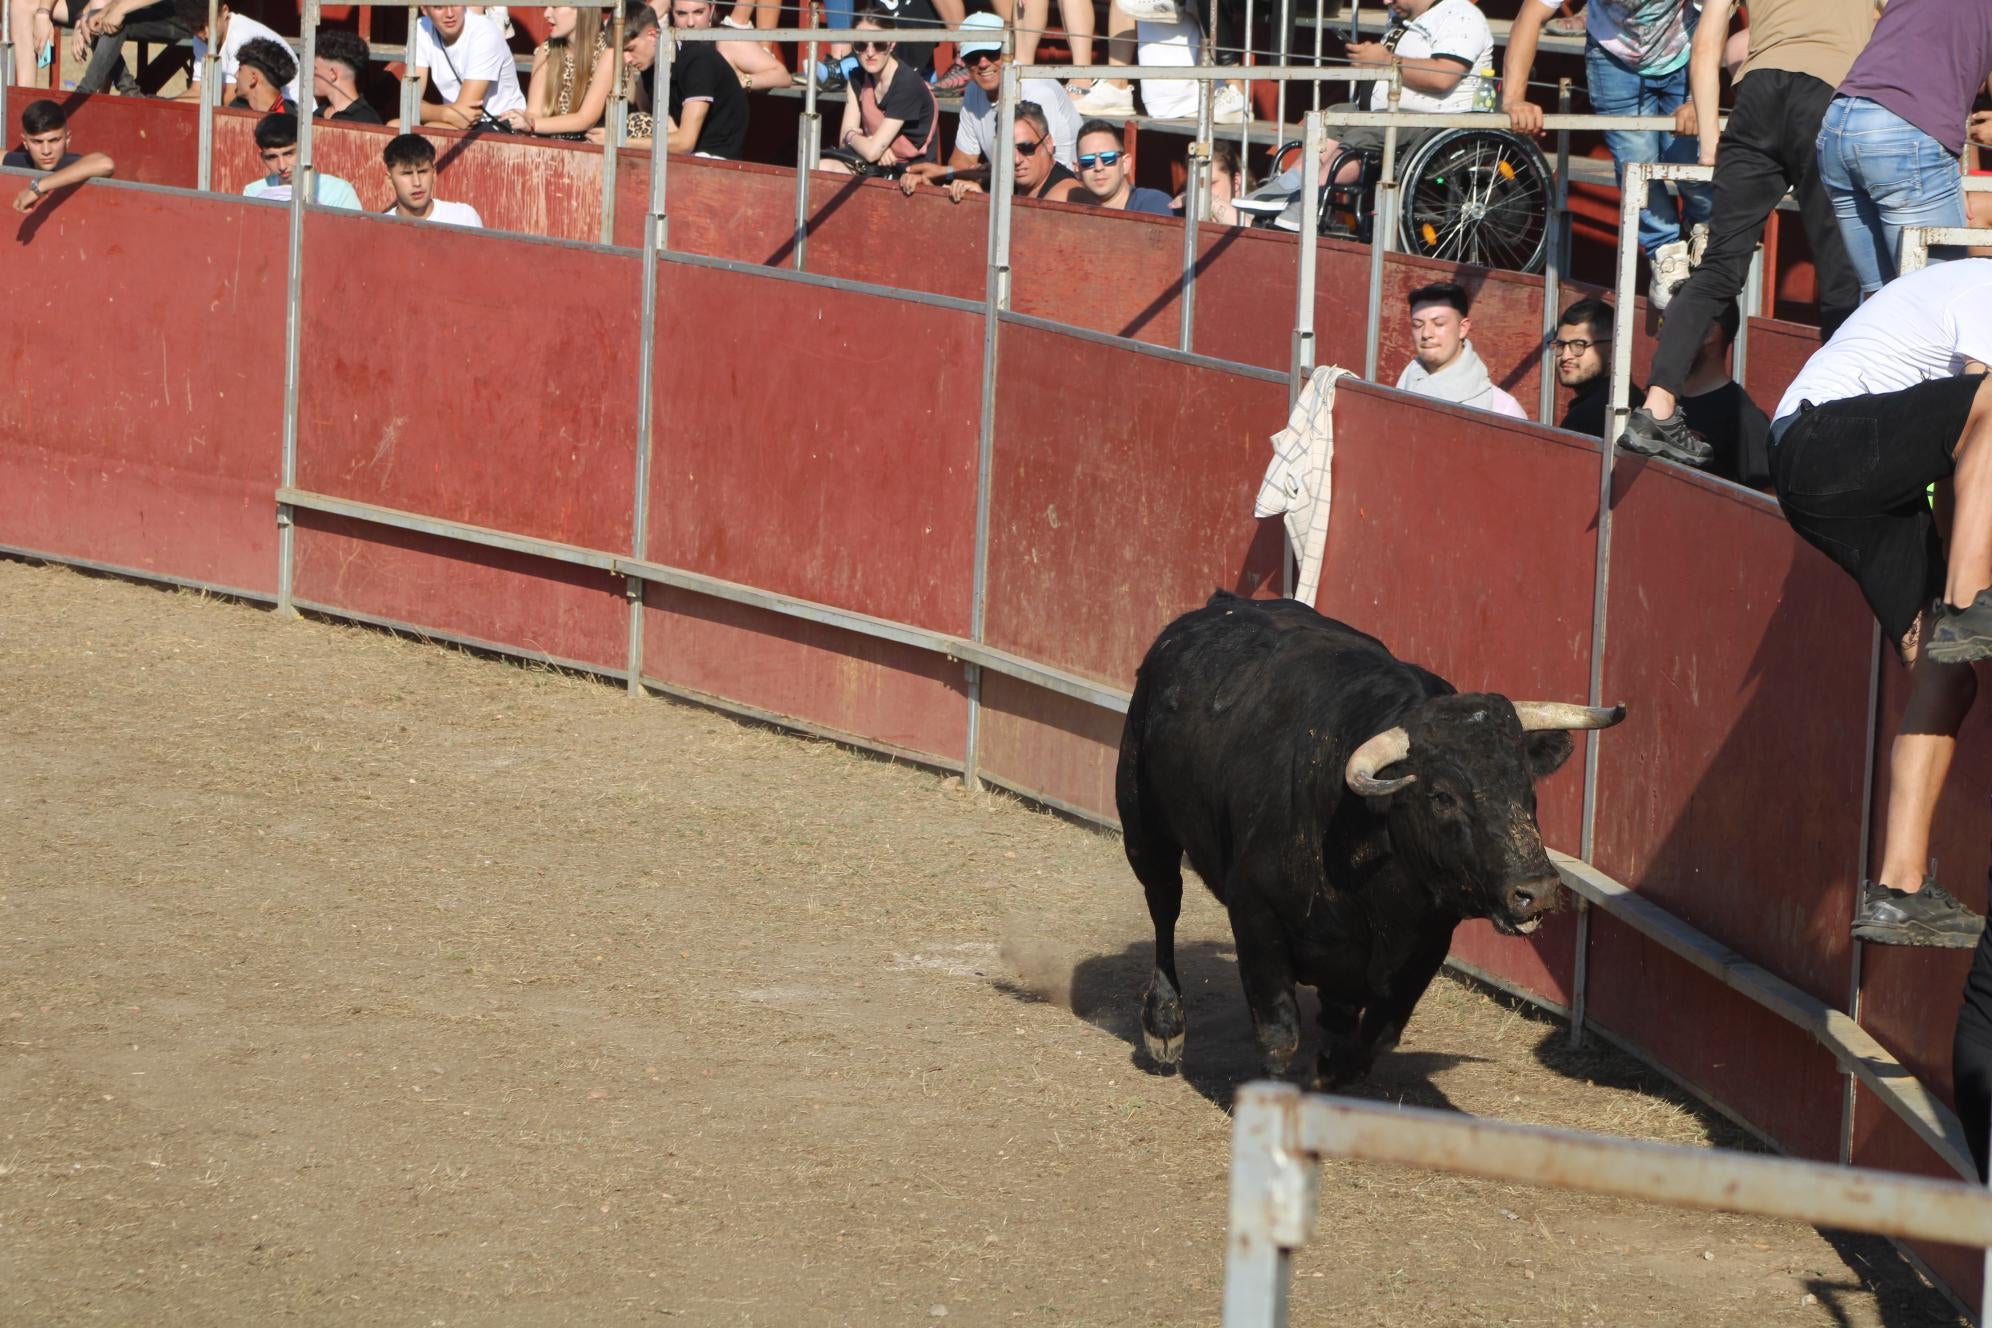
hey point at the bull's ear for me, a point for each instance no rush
(1548, 750)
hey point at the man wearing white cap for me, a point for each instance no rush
(975, 138)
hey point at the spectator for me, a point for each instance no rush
(890, 118)
(1896, 401)
(708, 111)
(1718, 409)
(917, 56)
(753, 64)
(1441, 47)
(45, 148)
(232, 33)
(1891, 141)
(1074, 16)
(127, 20)
(1446, 366)
(338, 64)
(276, 144)
(573, 71)
(1578, 349)
(262, 69)
(1635, 63)
(1107, 170)
(1800, 50)
(411, 172)
(1038, 174)
(1227, 182)
(975, 133)
(469, 65)
(1111, 96)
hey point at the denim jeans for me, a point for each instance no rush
(1618, 89)
(1882, 174)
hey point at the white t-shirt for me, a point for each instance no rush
(1649, 35)
(478, 53)
(448, 213)
(1454, 28)
(241, 28)
(1916, 328)
(975, 135)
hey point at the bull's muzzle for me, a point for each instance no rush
(1523, 904)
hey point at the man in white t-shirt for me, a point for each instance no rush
(469, 65)
(975, 133)
(1445, 51)
(1897, 401)
(411, 172)
(232, 32)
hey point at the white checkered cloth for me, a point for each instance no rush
(1298, 483)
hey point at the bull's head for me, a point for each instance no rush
(1458, 783)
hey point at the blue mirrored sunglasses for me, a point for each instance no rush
(1088, 160)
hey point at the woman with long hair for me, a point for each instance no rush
(573, 70)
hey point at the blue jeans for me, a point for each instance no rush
(1618, 89)
(1882, 174)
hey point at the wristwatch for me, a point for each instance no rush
(34, 187)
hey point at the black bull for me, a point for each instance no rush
(1347, 809)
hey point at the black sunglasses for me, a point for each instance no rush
(977, 58)
(866, 47)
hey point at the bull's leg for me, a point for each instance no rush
(1384, 1016)
(1159, 867)
(1267, 972)
(1341, 1044)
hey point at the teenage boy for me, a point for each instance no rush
(469, 65)
(337, 67)
(232, 32)
(411, 172)
(276, 145)
(45, 148)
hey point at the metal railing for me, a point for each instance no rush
(1280, 1137)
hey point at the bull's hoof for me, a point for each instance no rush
(1162, 1028)
(1164, 1050)
(1339, 1067)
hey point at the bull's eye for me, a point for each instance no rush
(1443, 801)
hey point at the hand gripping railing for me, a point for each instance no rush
(1280, 1137)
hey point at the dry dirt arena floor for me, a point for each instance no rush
(349, 979)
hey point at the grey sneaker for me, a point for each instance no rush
(1963, 635)
(1670, 438)
(1929, 916)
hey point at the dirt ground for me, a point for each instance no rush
(349, 979)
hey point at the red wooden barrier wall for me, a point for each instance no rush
(144, 383)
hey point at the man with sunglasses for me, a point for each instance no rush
(975, 133)
(1107, 171)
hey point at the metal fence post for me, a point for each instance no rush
(808, 145)
(995, 301)
(612, 141)
(1302, 360)
(411, 95)
(1383, 225)
(7, 59)
(1552, 272)
(1196, 201)
(304, 182)
(655, 237)
(1273, 1187)
(210, 98)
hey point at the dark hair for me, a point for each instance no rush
(193, 14)
(1595, 315)
(407, 150)
(271, 59)
(1032, 114)
(641, 20)
(43, 117)
(278, 129)
(344, 48)
(875, 14)
(1443, 292)
(1097, 127)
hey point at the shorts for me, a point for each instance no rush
(1853, 478)
(1368, 138)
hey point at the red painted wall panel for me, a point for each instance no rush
(1778, 350)
(425, 412)
(1049, 745)
(152, 142)
(853, 487)
(1122, 497)
(882, 694)
(163, 455)
(1883, 1142)
(491, 596)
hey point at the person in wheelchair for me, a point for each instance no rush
(1440, 47)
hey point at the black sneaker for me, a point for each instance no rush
(1670, 438)
(1963, 635)
(1930, 916)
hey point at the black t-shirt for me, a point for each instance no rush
(1588, 408)
(910, 101)
(357, 113)
(917, 56)
(702, 73)
(1738, 434)
(1057, 176)
(19, 157)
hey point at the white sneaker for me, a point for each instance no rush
(1670, 269)
(1697, 243)
(1229, 107)
(1103, 98)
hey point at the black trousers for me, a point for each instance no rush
(1971, 1053)
(1766, 149)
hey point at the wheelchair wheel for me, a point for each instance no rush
(1477, 196)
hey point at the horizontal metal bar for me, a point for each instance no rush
(1852, 1046)
(1217, 73)
(1823, 1195)
(1496, 120)
(1957, 235)
(795, 278)
(1253, 371)
(839, 35)
(864, 624)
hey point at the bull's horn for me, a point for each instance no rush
(1563, 715)
(1387, 747)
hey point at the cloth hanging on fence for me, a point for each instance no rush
(1298, 482)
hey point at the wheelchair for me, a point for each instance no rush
(1479, 196)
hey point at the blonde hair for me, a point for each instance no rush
(571, 62)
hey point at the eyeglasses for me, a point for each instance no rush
(869, 47)
(979, 58)
(1088, 160)
(1577, 347)
(1028, 148)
